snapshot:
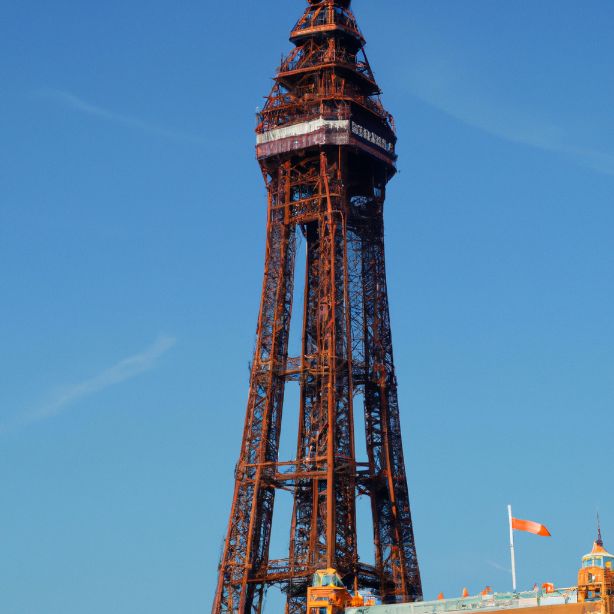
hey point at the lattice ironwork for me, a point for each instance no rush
(326, 147)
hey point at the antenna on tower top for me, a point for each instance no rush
(599, 541)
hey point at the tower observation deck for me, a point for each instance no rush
(326, 148)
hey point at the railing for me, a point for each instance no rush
(490, 601)
(322, 16)
(326, 56)
(318, 102)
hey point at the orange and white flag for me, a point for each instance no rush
(530, 527)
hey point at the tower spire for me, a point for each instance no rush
(599, 540)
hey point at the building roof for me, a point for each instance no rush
(598, 550)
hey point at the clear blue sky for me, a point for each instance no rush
(132, 219)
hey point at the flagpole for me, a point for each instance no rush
(509, 512)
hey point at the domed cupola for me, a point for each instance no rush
(598, 556)
(596, 576)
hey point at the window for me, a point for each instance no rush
(332, 580)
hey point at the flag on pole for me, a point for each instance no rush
(515, 524)
(530, 527)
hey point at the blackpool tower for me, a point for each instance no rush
(326, 147)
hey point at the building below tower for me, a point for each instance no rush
(594, 594)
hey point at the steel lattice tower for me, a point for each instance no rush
(326, 147)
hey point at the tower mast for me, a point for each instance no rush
(326, 147)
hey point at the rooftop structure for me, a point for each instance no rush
(486, 603)
(596, 577)
(593, 595)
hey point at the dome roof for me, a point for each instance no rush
(598, 551)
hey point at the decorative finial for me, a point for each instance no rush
(599, 541)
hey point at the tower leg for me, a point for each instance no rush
(393, 530)
(249, 530)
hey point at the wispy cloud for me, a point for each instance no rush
(126, 369)
(499, 567)
(442, 87)
(75, 103)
